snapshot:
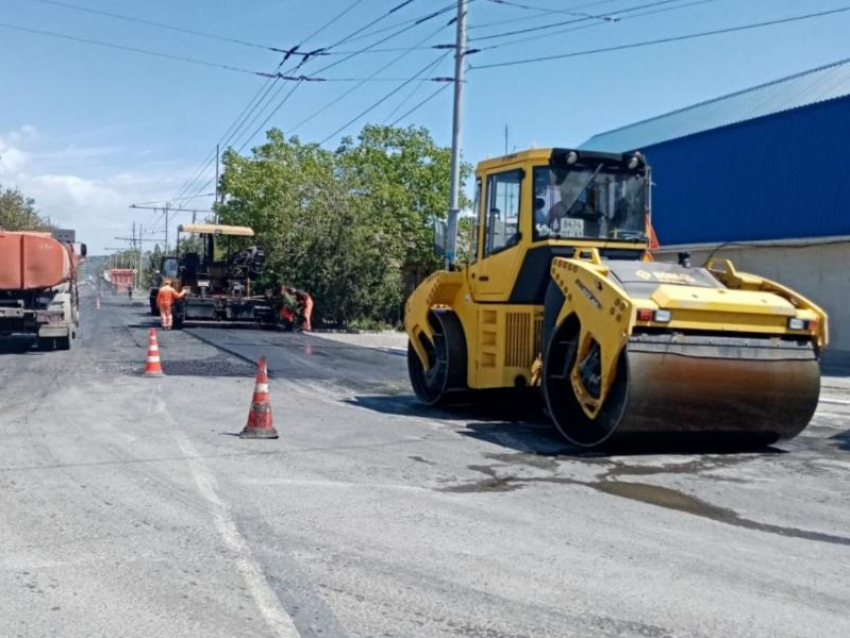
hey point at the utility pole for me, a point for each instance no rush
(166, 228)
(218, 194)
(507, 133)
(454, 185)
(134, 257)
(217, 156)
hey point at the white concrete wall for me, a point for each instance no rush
(820, 272)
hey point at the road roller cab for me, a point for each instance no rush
(559, 292)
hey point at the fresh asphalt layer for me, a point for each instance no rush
(129, 508)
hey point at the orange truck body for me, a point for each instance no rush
(38, 288)
(32, 261)
(122, 279)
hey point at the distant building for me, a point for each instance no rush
(759, 177)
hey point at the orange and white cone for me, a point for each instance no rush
(260, 417)
(153, 366)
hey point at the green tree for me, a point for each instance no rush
(18, 212)
(345, 224)
(150, 267)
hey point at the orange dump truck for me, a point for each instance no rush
(38, 288)
(122, 279)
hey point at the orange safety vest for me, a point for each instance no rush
(167, 296)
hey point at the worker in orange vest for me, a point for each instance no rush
(165, 299)
(288, 308)
(305, 304)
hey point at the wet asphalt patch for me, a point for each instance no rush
(655, 495)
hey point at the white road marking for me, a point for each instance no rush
(264, 596)
(835, 401)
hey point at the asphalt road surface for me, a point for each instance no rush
(128, 508)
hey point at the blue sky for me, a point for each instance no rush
(88, 130)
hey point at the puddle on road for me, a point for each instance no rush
(492, 483)
(539, 461)
(616, 469)
(679, 501)
(485, 486)
(656, 495)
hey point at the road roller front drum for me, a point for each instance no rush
(673, 389)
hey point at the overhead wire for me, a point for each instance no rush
(420, 104)
(411, 21)
(260, 96)
(129, 49)
(547, 12)
(164, 26)
(555, 25)
(327, 67)
(592, 25)
(380, 70)
(372, 107)
(331, 65)
(404, 101)
(163, 201)
(246, 123)
(495, 23)
(678, 38)
(326, 25)
(270, 116)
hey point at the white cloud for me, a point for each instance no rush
(76, 189)
(12, 158)
(27, 131)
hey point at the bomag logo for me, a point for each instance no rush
(587, 293)
(666, 277)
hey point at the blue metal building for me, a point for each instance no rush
(769, 163)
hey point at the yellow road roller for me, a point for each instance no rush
(560, 292)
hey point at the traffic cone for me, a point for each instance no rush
(260, 417)
(153, 366)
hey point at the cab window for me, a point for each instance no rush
(502, 215)
(476, 227)
(170, 268)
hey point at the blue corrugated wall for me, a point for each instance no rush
(777, 177)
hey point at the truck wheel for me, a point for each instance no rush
(44, 344)
(64, 343)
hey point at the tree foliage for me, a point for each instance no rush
(18, 212)
(345, 224)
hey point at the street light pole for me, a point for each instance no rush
(454, 184)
